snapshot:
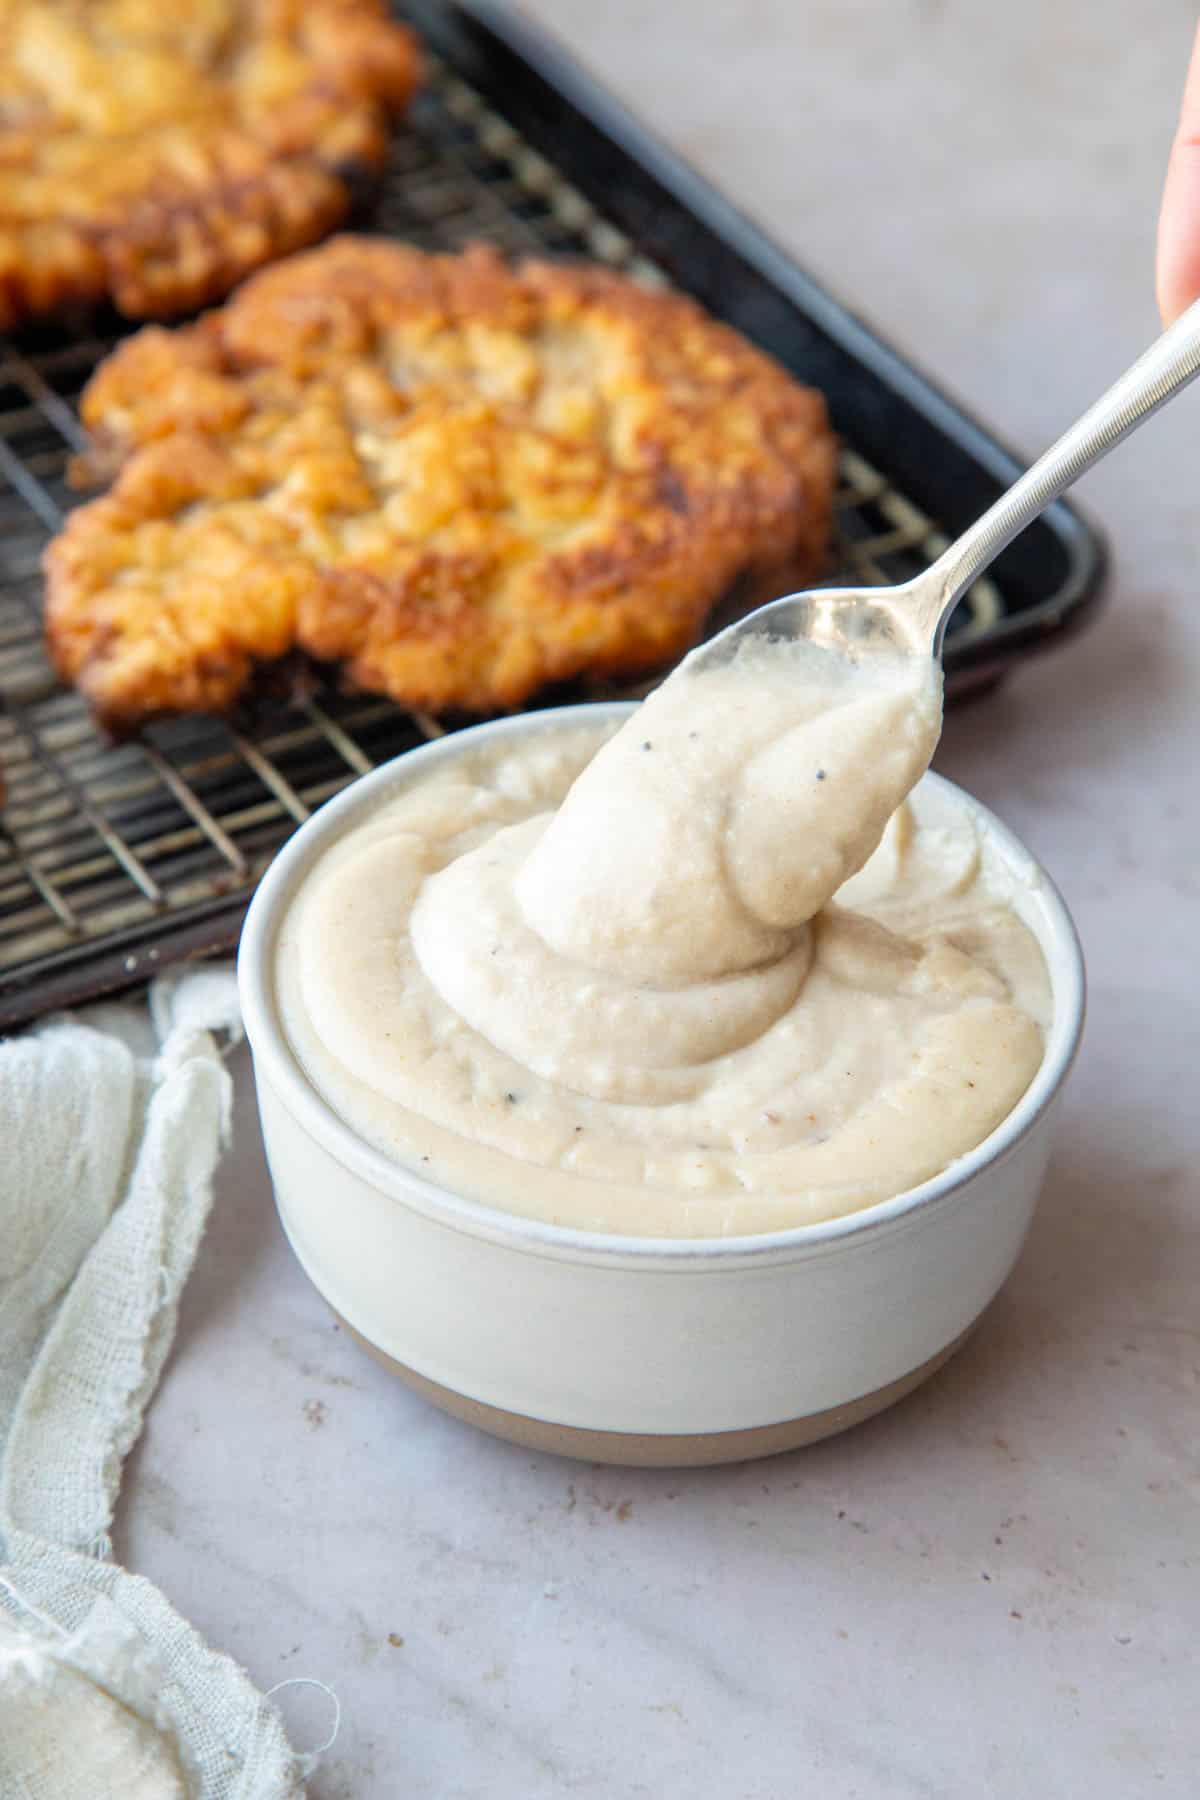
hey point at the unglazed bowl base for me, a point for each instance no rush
(667, 1450)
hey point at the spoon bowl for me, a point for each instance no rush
(853, 622)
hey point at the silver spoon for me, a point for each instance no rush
(912, 618)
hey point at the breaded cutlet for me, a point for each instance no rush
(458, 480)
(153, 152)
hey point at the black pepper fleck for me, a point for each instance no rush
(820, 774)
(511, 1099)
(647, 745)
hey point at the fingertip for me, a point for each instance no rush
(1171, 297)
(1177, 264)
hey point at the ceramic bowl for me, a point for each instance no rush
(642, 1350)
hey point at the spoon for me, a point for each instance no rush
(912, 618)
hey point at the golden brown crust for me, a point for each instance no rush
(461, 481)
(153, 152)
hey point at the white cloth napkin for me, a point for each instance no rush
(110, 1130)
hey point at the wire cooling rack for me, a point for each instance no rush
(115, 860)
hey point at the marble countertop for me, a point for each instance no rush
(994, 1589)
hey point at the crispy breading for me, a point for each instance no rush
(461, 481)
(153, 152)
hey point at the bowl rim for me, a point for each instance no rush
(275, 1061)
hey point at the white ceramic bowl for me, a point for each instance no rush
(642, 1350)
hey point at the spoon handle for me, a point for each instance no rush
(1166, 367)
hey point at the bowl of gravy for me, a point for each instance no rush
(664, 1084)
